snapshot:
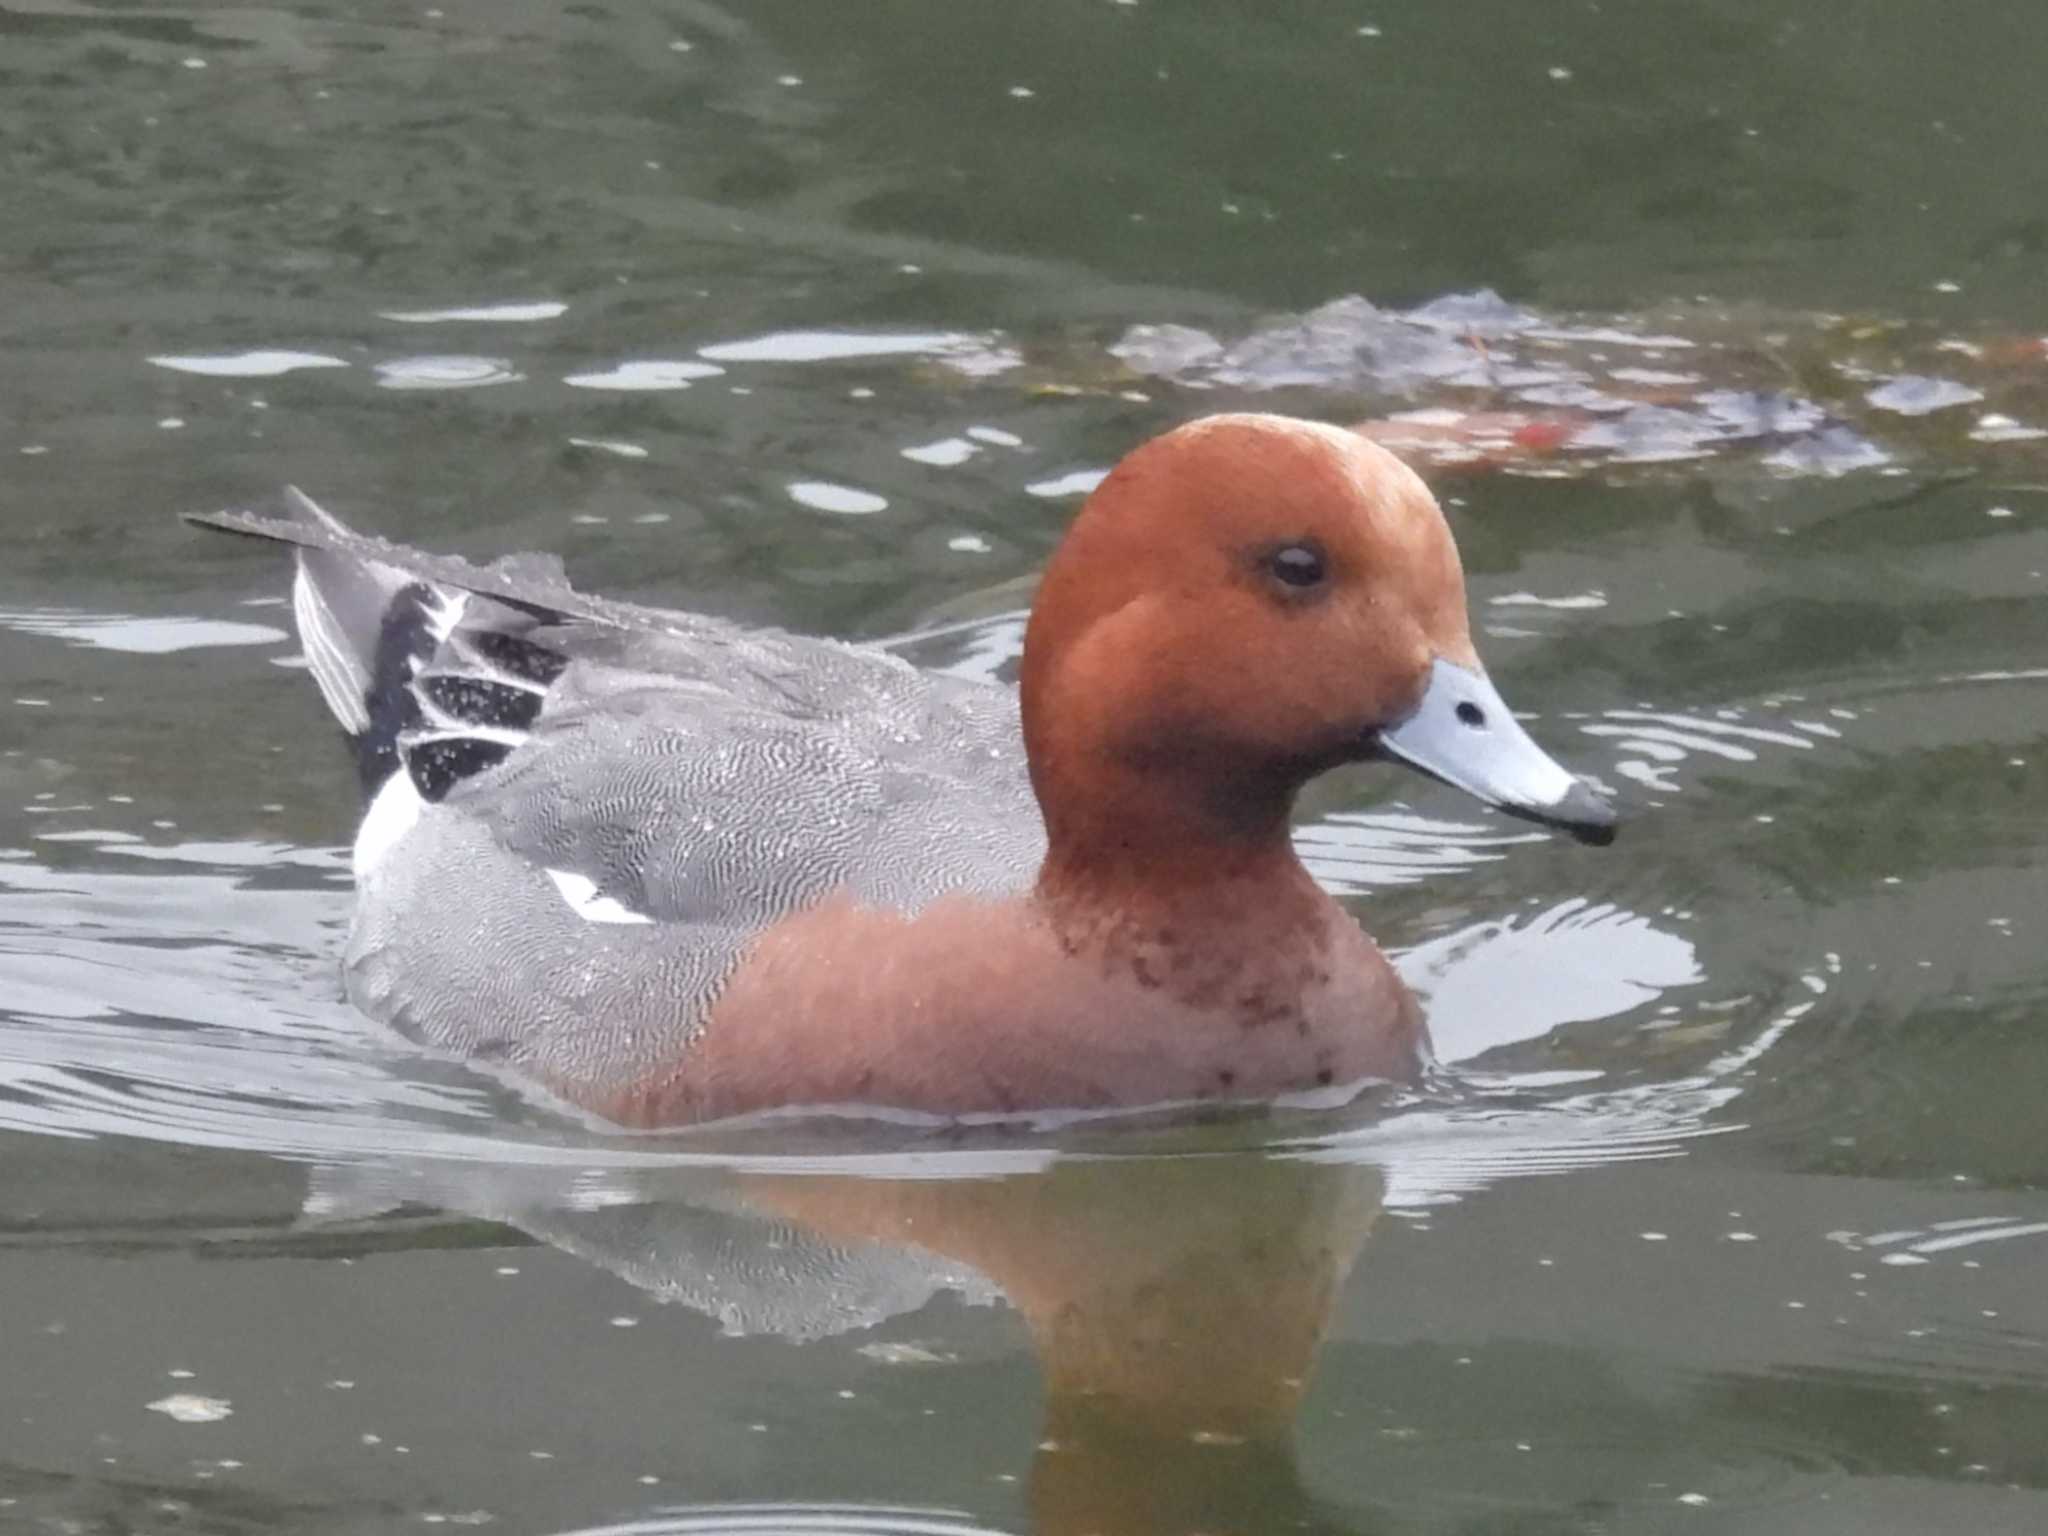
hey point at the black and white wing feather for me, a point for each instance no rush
(602, 803)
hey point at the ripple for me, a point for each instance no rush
(1510, 1128)
(825, 496)
(137, 634)
(647, 375)
(1507, 980)
(1659, 742)
(1571, 602)
(247, 365)
(446, 372)
(1352, 852)
(1077, 482)
(194, 1001)
(189, 996)
(840, 346)
(616, 447)
(514, 313)
(810, 1519)
(945, 453)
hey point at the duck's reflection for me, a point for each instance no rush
(1186, 1294)
(1175, 1306)
(1175, 1303)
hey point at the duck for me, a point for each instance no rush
(671, 869)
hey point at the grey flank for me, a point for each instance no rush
(707, 777)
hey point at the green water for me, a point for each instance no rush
(1729, 1216)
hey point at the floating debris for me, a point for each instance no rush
(1916, 394)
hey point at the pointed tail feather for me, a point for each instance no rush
(374, 617)
(534, 585)
(367, 624)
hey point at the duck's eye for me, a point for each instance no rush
(1298, 565)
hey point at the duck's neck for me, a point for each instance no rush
(1163, 831)
(1189, 869)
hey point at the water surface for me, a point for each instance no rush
(1727, 1214)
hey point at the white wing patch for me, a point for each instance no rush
(391, 815)
(580, 892)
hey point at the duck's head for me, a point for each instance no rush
(1247, 601)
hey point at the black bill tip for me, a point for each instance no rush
(1584, 812)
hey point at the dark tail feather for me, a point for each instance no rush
(367, 624)
(373, 615)
(534, 585)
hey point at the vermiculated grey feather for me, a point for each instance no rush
(707, 780)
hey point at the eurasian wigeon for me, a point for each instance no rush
(674, 869)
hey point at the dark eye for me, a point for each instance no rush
(1297, 565)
